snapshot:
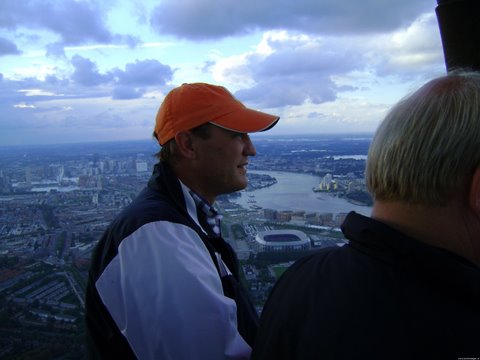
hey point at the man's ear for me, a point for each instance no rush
(183, 139)
(474, 196)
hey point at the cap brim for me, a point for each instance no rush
(246, 121)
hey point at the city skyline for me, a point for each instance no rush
(57, 201)
(81, 71)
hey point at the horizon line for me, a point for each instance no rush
(254, 135)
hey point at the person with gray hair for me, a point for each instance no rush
(407, 284)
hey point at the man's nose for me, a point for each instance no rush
(249, 148)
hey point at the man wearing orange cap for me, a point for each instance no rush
(163, 284)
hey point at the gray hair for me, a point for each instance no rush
(428, 146)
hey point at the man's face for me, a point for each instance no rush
(221, 162)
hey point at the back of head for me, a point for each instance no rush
(428, 146)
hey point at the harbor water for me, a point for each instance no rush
(293, 191)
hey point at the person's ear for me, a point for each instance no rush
(474, 196)
(184, 142)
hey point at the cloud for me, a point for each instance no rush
(82, 96)
(137, 77)
(207, 19)
(292, 69)
(86, 72)
(410, 51)
(8, 48)
(75, 22)
(275, 93)
(288, 69)
(24, 106)
(144, 73)
(19, 103)
(316, 63)
(126, 93)
(86, 81)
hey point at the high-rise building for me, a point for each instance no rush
(28, 176)
(270, 214)
(141, 166)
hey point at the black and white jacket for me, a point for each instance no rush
(163, 286)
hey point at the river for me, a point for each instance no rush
(293, 191)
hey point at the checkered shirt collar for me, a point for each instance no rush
(213, 217)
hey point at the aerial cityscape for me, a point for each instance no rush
(57, 200)
(81, 83)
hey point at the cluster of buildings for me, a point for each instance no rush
(340, 184)
(88, 172)
(54, 208)
(327, 184)
(311, 218)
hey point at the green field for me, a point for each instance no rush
(279, 269)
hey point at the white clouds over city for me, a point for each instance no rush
(80, 70)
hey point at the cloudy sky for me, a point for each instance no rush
(97, 70)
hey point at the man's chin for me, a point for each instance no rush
(241, 185)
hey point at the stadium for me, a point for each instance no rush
(282, 240)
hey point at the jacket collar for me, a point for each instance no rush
(164, 180)
(443, 268)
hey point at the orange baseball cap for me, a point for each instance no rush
(191, 105)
